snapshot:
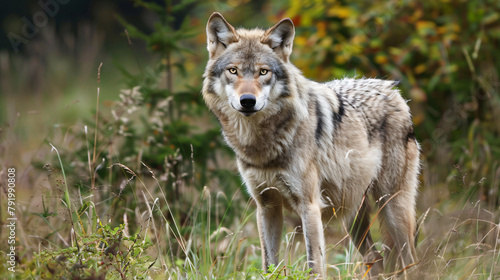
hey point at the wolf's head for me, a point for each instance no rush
(247, 69)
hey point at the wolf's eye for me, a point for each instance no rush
(233, 71)
(263, 72)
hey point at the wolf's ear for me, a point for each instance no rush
(219, 34)
(280, 38)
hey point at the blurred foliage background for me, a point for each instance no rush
(138, 120)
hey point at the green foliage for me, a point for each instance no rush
(171, 124)
(104, 254)
(159, 126)
(285, 273)
(162, 116)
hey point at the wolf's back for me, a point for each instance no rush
(378, 102)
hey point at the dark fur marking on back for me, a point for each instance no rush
(337, 116)
(320, 123)
(382, 130)
(383, 125)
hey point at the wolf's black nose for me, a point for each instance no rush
(248, 101)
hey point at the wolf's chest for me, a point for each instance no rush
(269, 143)
(270, 185)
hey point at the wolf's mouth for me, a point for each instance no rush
(247, 113)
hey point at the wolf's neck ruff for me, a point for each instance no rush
(249, 136)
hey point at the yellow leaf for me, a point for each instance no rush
(424, 24)
(339, 11)
(420, 68)
(359, 39)
(381, 59)
(300, 41)
(340, 59)
(326, 42)
(321, 27)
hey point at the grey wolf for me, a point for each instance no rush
(313, 147)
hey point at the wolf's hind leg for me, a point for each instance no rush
(398, 212)
(396, 190)
(359, 229)
(398, 216)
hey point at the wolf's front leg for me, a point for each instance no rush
(270, 224)
(314, 237)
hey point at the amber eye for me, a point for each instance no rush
(263, 72)
(232, 71)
